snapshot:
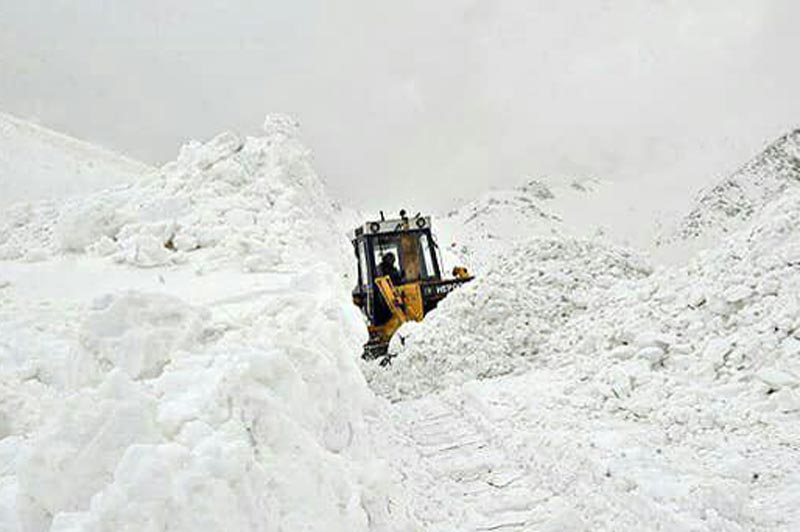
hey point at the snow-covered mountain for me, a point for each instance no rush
(473, 233)
(38, 163)
(630, 214)
(729, 204)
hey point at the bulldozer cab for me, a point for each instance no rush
(411, 243)
(392, 293)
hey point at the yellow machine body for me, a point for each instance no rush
(418, 284)
(405, 304)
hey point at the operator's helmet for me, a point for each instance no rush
(389, 259)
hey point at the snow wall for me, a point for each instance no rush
(145, 415)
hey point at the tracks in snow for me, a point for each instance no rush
(512, 455)
(465, 464)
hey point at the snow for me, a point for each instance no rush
(668, 401)
(37, 164)
(727, 205)
(495, 324)
(152, 384)
(255, 201)
(639, 215)
(179, 352)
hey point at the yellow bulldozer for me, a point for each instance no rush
(399, 276)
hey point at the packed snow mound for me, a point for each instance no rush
(737, 199)
(171, 428)
(497, 323)
(254, 201)
(37, 163)
(709, 356)
(491, 224)
(139, 411)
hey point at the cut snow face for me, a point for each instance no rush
(235, 434)
(140, 333)
(37, 163)
(255, 202)
(495, 324)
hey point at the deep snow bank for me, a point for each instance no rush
(238, 434)
(723, 330)
(254, 201)
(493, 325)
(141, 412)
(708, 358)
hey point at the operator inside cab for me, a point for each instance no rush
(387, 267)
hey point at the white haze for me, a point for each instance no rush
(433, 101)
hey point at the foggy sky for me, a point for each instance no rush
(429, 100)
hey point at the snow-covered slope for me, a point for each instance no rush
(206, 379)
(475, 232)
(37, 163)
(732, 202)
(709, 356)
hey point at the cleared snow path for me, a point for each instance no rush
(518, 453)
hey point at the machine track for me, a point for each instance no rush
(465, 464)
(492, 456)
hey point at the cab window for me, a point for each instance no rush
(363, 278)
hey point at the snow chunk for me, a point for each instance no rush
(75, 454)
(140, 333)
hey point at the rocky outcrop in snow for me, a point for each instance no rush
(737, 199)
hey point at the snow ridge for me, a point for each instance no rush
(142, 411)
(38, 163)
(740, 197)
(248, 201)
(474, 233)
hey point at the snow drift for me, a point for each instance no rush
(724, 328)
(666, 401)
(493, 223)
